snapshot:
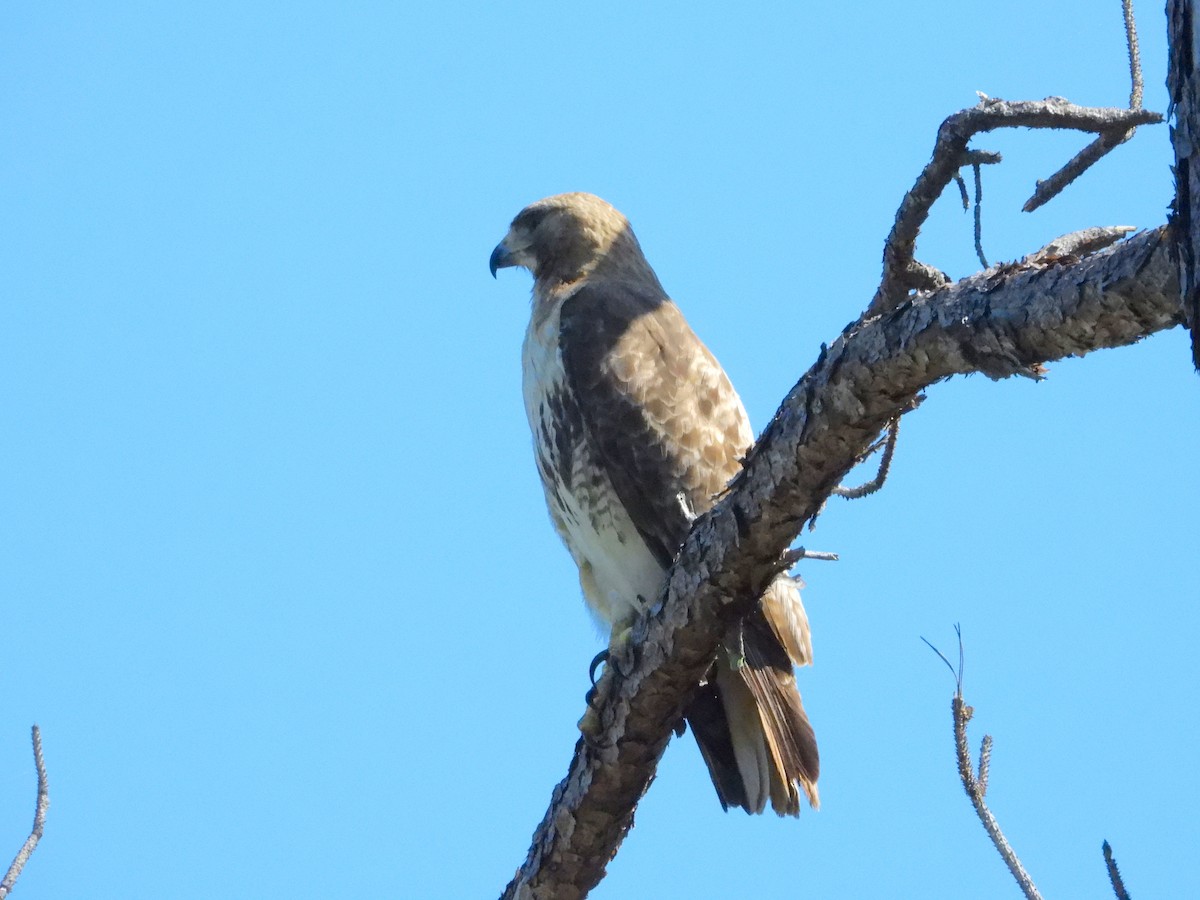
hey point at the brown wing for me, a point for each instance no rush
(666, 422)
(657, 405)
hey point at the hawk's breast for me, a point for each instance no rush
(618, 573)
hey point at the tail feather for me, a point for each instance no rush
(783, 722)
(756, 763)
(706, 717)
(749, 720)
(785, 615)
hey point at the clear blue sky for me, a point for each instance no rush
(276, 578)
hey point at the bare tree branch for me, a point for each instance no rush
(948, 155)
(962, 190)
(885, 465)
(979, 215)
(976, 788)
(974, 158)
(795, 555)
(985, 764)
(1135, 56)
(1089, 155)
(975, 783)
(1001, 322)
(39, 819)
(1081, 243)
(1114, 874)
(1078, 164)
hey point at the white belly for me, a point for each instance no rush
(619, 575)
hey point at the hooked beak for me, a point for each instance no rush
(501, 258)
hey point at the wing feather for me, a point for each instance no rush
(665, 422)
(659, 408)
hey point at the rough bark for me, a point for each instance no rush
(1001, 322)
(1183, 82)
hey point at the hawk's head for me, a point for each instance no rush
(565, 237)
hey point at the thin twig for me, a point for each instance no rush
(962, 715)
(975, 158)
(39, 819)
(979, 215)
(793, 556)
(985, 763)
(875, 483)
(888, 442)
(1089, 155)
(975, 784)
(1135, 57)
(885, 465)
(953, 136)
(1114, 874)
(1051, 187)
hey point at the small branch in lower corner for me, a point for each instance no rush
(39, 819)
(975, 780)
(1114, 874)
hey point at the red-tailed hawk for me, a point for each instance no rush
(636, 427)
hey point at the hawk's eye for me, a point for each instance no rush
(528, 220)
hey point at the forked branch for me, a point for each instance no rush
(1089, 155)
(949, 155)
(974, 781)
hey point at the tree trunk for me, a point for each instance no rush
(1183, 82)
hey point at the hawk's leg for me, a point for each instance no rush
(618, 650)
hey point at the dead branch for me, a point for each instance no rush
(1089, 155)
(1080, 243)
(1047, 190)
(885, 465)
(949, 155)
(795, 555)
(1114, 874)
(979, 215)
(1135, 56)
(1000, 322)
(39, 819)
(974, 781)
(975, 158)
(976, 788)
